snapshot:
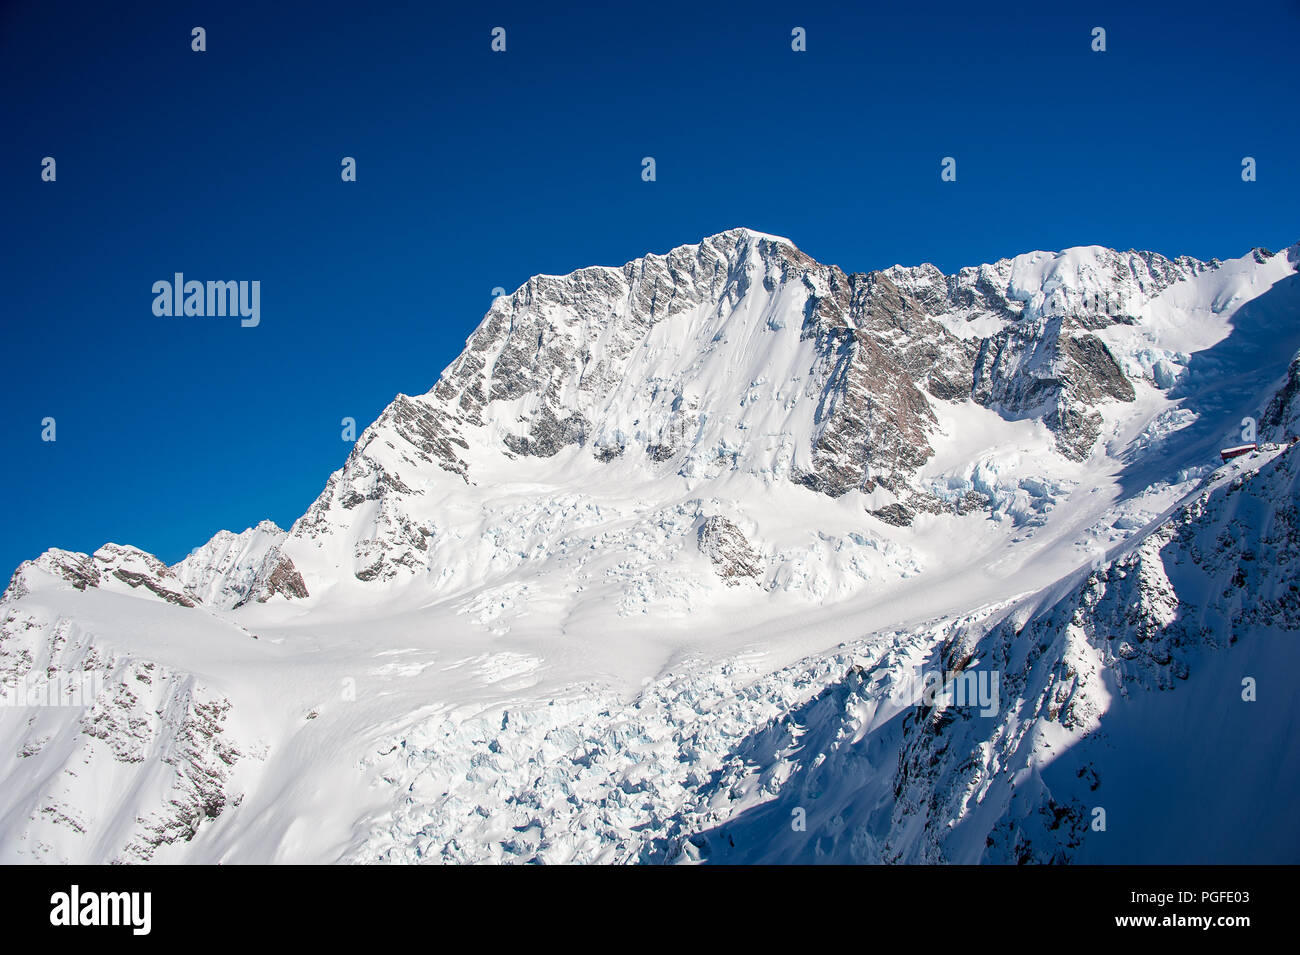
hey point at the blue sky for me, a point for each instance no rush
(478, 169)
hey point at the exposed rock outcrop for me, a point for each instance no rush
(733, 558)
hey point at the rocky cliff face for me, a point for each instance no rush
(1281, 419)
(738, 354)
(552, 361)
(734, 560)
(1049, 369)
(878, 346)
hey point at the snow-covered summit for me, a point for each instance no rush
(222, 572)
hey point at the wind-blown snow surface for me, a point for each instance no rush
(658, 569)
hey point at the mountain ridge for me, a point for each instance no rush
(903, 325)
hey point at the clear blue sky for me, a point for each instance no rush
(478, 169)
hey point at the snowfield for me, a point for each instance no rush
(665, 568)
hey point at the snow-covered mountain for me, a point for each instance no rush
(662, 562)
(232, 569)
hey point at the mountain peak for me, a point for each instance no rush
(753, 235)
(225, 571)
